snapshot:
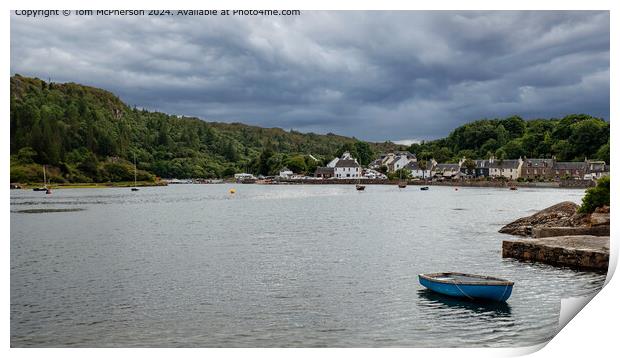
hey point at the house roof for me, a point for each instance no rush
(285, 169)
(347, 163)
(324, 170)
(482, 163)
(570, 165)
(539, 163)
(447, 166)
(505, 164)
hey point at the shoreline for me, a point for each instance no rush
(474, 184)
(88, 185)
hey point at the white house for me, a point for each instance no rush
(373, 174)
(333, 162)
(243, 176)
(596, 169)
(286, 173)
(347, 168)
(446, 171)
(393, 161)
(417, 172)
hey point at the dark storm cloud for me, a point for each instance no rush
(373, 75)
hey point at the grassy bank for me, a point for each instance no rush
(124, 184)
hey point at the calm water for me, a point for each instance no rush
(191, 265)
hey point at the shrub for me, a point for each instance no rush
(596, 197)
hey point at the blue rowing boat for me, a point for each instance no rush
(473, 287)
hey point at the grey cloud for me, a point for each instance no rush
(373, 75)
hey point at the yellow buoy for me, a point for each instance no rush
(232, 191)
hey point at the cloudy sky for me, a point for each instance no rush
(374, 75)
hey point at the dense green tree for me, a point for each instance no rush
(596, 197)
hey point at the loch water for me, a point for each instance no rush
(275, 266)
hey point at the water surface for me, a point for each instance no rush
(323, 265)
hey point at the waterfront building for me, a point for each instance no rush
(373, 174)
(537, 168)
(482, 168)
(569, 170)
(347, 168)
(506, 168)
(417, 172)
(596, 169)
(244, 176)
(446, 171)
(285, 173)
(344, 156)
(393, 161)
(324, 172)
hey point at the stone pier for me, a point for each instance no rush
(579, 251)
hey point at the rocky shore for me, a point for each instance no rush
(559, 235)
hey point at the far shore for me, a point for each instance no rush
(89, 185)
(565, 184)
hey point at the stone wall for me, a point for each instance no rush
(600, 230)
(586, 252)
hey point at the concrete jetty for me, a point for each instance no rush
(580, 251)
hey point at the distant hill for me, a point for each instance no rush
(572, 138)
(87, 134)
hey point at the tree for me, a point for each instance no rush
(596, 197)
(296, 164)
(26, 155)
(470, 165)
(364, 152)
(423, 165)
(603, 153)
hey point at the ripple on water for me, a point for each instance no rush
(275, 266)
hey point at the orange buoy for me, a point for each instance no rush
(232, 191)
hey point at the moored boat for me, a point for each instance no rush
(424, 188)
(469, 286)
(360, 187)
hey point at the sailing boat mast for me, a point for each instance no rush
(44, 178)
(135, 174)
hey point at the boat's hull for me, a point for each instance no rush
(469, 291)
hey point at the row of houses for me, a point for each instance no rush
(533, 169)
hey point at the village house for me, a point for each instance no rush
(347, 168)
(537, 168)
(373, 174)
(324, 172)
(482, 168)
(417, 172)
(506, 168)
(393, 161)
(344, 167)
(569, 170)
(446, 171)
(596, 169)
(285, 173)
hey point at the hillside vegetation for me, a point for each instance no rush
(572, 138)
(86, 134)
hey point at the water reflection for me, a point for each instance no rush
(433, 300)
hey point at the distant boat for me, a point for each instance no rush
(463, 285)
(402, 184)
(513, 187)
(424, 188)
(44, 187)
(359, 185)
(135, 174)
